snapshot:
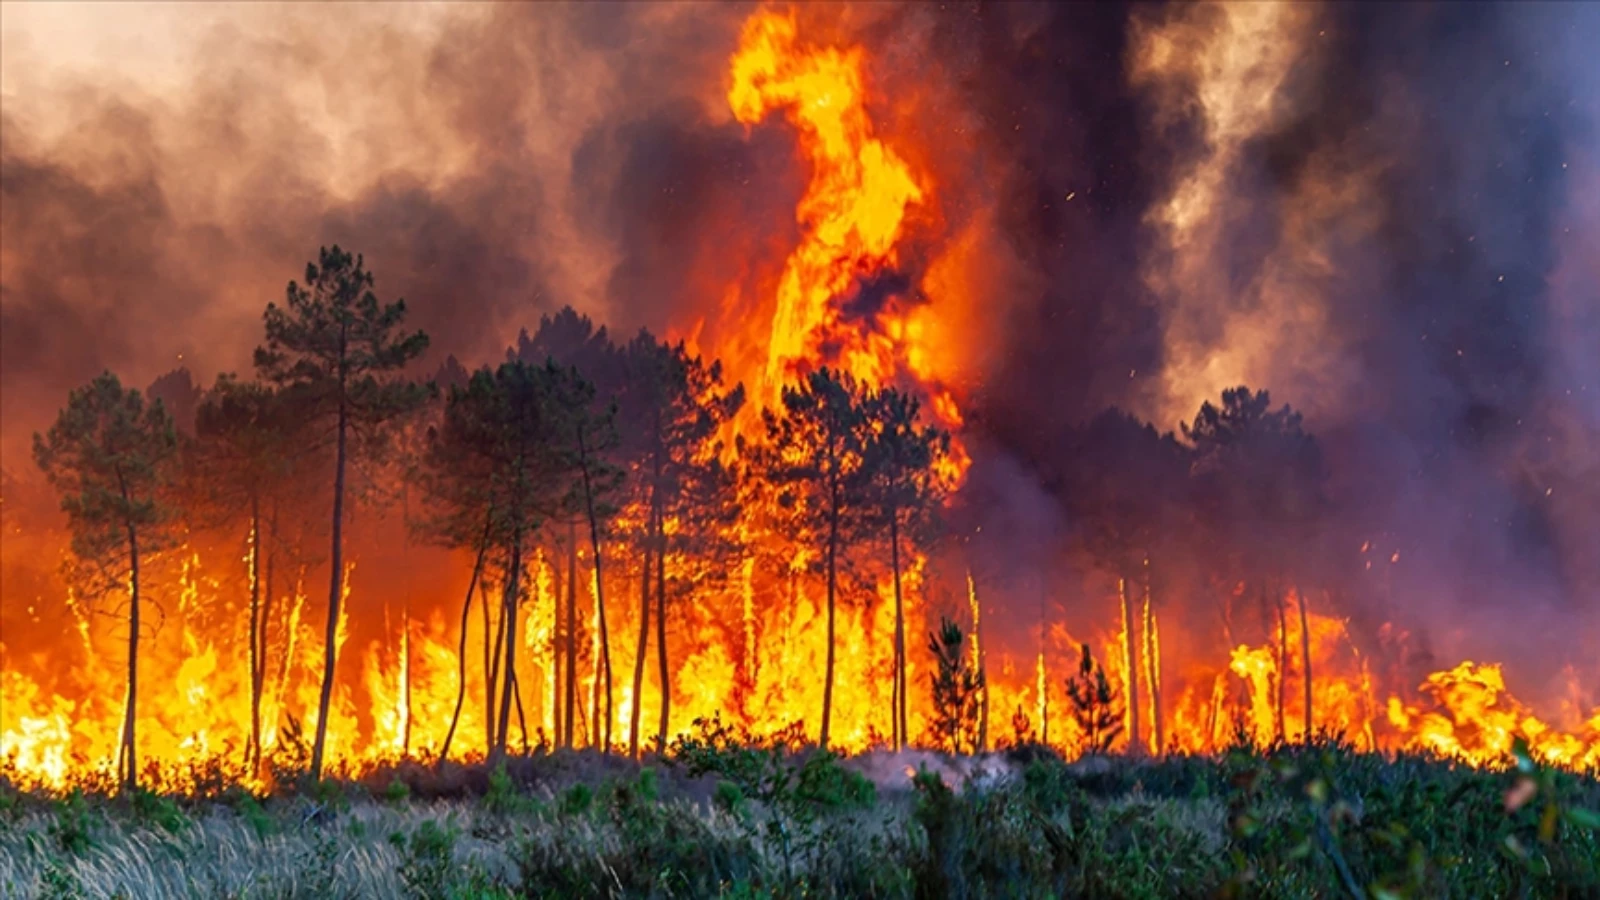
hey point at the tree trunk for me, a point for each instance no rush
(252, 750)
(461, 648)
(130, 769)
(1283, 663)
(508, 629)
(1152, 664)
(833, 553)
(572, 635)
(558, 686)
(899, 711)
(661, 634)
(336, 583)
(522, 720)
(1130, 624)
(259, 685)
(491, 666)
(1305, 657)
(644, 639)
(981, 740)
(599, 588)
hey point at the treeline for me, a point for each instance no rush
(620, 447)
(572, 433)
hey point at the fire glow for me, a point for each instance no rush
(750, 650)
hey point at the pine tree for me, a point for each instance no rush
(813, 457)
(956, 686)
(903, 492)
(1095, 705)
(335, 348)
(244, 453)
(111, 456)
(673, 407)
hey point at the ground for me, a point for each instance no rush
(714, 818)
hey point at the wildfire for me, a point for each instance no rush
(749, 650)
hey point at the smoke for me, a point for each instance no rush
(492, 163)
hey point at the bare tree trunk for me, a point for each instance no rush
(252, 750)
(1283, 663)
(1130, 624)
(1305, 656)
(522, 720)
(491, 667)
(259, 676)
(572, 635)
(644, 639)
(661, 634)
(599, 589)
(130, 768)
(335, 589)
(558, 685)
(461, 649)
(508, 628)
(899, 711)
(405, 632)
(833, 553)
(981, 740)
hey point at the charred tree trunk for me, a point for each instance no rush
(599, 589)
(252, 750)
(558, 685)
(570, 725)
(522, 720)
(661, 634)
(491, 667)
(263, 643)
(1282, 686)
(1305, 658)
(833, 554)
(899, 711)
(644, 639)
(130, 761)
(336, 579)
(461, 649)
(508, 629)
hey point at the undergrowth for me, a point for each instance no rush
(720, 815)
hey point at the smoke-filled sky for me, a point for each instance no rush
(1387, 214)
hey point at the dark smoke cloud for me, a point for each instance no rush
(1442, 374)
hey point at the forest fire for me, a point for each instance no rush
(777, 539)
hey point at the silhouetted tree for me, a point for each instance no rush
(956, 685)
(245, 437)
(336, 348)
(111, 457)
(590, 437)
(813, 458)
(1260, 479)
(1129, 485)
(1095, 705)
(903, 489)
(673, 407)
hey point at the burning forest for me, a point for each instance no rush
(1148, 381)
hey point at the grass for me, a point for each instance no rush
(719, 818)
